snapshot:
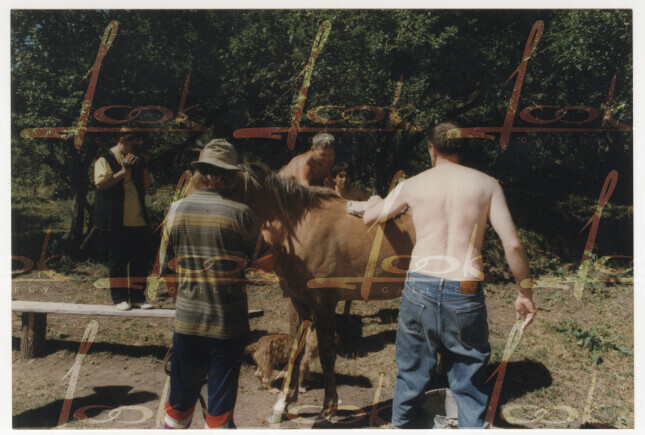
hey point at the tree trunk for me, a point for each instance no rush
(81, 161)
(380, 169)
(34, 327)
(74, 236)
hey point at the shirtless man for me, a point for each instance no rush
(442, 306)
(342, 177)
(313, 167)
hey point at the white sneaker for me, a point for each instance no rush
(123, 306)
(143, 305)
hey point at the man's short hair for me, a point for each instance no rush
(129, 133)
(444, 144)
(324, 140)
(340, 167)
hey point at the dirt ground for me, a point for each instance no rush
(550, 381)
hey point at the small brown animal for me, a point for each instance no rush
(271, 350)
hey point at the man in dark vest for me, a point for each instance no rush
(121, 178)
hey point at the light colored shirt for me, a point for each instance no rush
(132, 213)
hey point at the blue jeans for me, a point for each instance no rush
(194, 359)
(434, 316)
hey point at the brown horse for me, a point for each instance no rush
(324, 255)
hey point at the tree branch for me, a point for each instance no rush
(475, 102)
(64, 171)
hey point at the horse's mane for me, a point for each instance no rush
(291, 199)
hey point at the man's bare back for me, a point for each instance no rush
(313, 168)
(451, 205)
(305, 170)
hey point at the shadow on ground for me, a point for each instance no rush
(318, 381)
(352, 344)
(522, 377)
(49, 415)
(386, 315)
(52, 346)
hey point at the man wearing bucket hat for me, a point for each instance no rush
(208, 234)
(121, 178)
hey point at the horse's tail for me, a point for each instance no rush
(251, 348)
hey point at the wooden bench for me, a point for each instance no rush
(34, 318)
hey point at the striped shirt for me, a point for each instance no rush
(211, 240)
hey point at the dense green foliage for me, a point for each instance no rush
(247, 67)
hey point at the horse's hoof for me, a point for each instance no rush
(302, 389)
(273, 418)
(330, 406)
(323, 421)
(274, 391)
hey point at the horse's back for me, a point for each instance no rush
(336, 252)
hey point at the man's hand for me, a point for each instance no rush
(373, 200)
(129, 159)
(524, 307)
(356, 208)
(372, 210)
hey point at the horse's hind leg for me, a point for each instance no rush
(298, 312)
(347, 310)
(296, 317)
(324, 318)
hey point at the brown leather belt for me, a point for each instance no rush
(469, 287)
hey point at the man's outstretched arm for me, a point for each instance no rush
(380, 210)
(502, 222)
